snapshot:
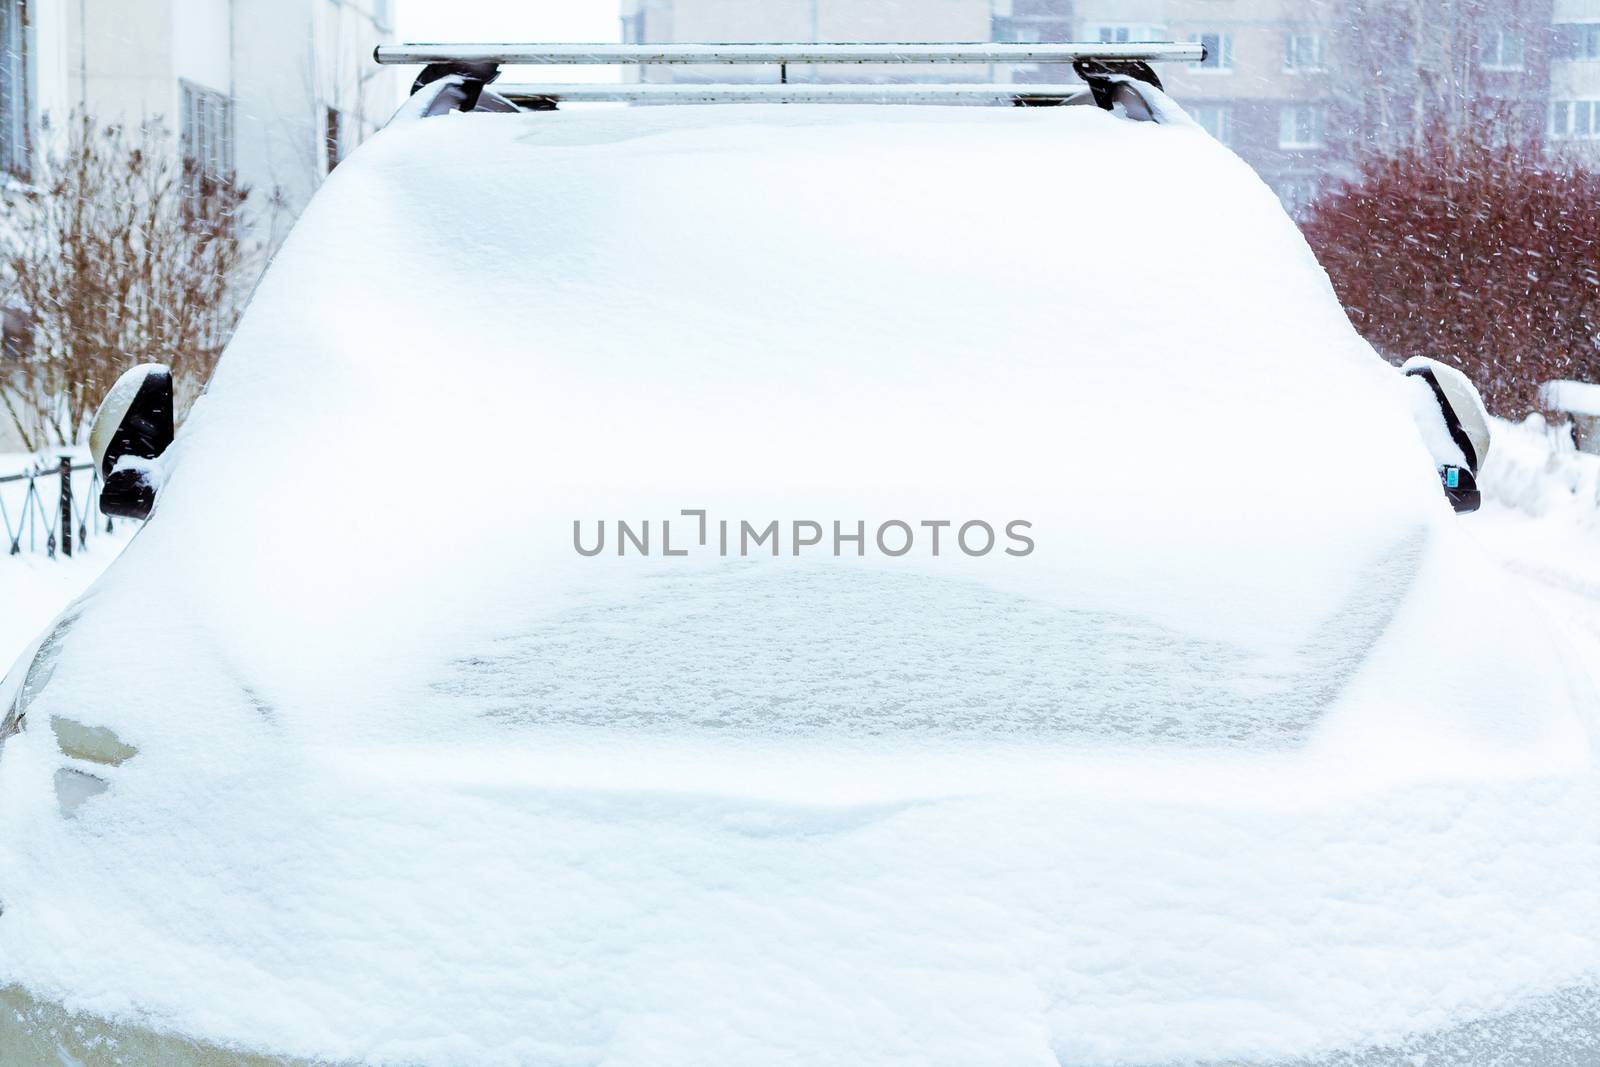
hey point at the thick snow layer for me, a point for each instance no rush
(1541, 519)
(1536, 468)
(1576, 398)
(1253, 756)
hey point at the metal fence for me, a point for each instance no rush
(35, 519)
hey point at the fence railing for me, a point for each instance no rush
(61, 525)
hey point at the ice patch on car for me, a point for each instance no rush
(824, 652)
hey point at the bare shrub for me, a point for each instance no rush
(1474, 248)
(117, 253)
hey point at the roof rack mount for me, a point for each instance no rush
(798, 54)
(1106, 70)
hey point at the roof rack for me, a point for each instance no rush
(1106, 68)
(543, 97)
(780, 54)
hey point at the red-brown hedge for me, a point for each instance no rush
(1484, 254)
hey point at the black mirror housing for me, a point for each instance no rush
(134, 421)
(1461, 489)
(1458, 412)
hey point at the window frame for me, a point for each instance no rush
(1319, 124)
(1583, 38)
(1218, 60)
(205, 134)
(1123, 32)
(1589, 46)
(1496, 60)
(1570, 130)
(16, 105)
(1292, 56)
(1030, 29)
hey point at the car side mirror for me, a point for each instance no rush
(1454, 425)
(130, 431)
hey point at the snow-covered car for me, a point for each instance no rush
(803, 584)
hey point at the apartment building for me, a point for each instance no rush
(276, 91)
(1265, 86)
(273, 91)
(1299, 88)
(735, 21)
(803, 20)
(1574, 121)
(1264, 90)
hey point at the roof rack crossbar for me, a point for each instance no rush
(1021, 93)
(799, 54)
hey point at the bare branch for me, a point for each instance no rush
(118, 253)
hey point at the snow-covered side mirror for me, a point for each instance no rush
(1454, 425)
(130, 431)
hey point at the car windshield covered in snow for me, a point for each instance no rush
(629, 564)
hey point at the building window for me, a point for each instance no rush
(1219, 51)
(1215, 119)
(1031, 29)
(1297, 195)
(1502, 50)
(14, 96)
(1122, 32)
(1034, 23)
(1574, 120)
(1577, 40)
(1300, 126)
(1303, 51)
(333, 137)
(206, 136)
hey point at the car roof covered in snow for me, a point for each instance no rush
(416, 780)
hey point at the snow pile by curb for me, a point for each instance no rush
(1534, 467)
(34, 587)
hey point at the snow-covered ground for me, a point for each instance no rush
(1541, 520)
(33, 587)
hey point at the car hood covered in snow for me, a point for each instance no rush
(1251, 756)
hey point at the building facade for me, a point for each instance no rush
(1299, 88)
(1265, 87)
(736, 21)
(271, 92)
(274, 91)
(1574, 123)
